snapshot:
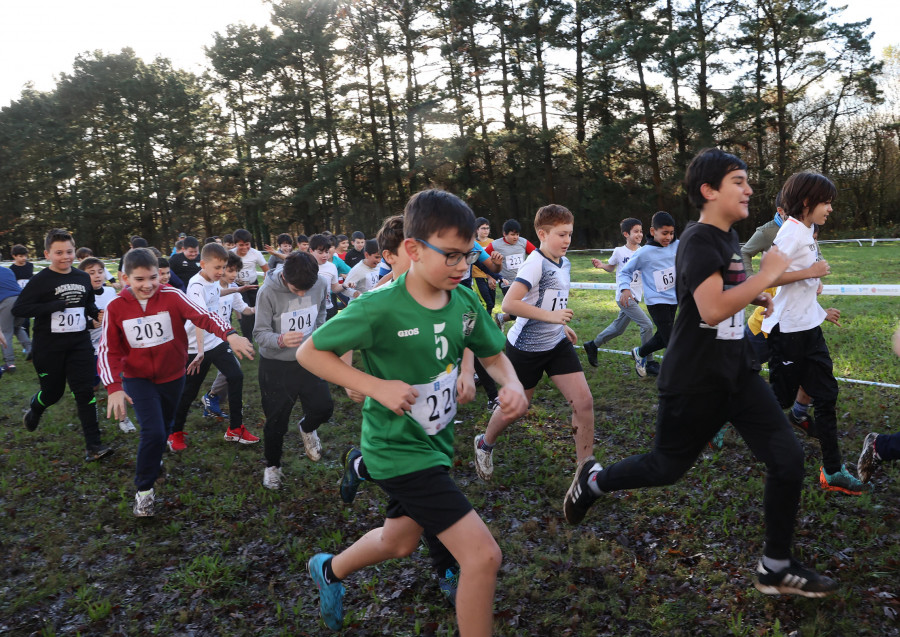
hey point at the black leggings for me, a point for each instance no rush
(489, 295)
(78, 367)
(281, 384)
(222, 357)
(685, 423)
(248, 321)
(663, 316)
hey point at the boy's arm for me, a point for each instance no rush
(513, 304)
(28, 304)
(262, 330)
(465, 383)
(529, 247)
(606, 267)
(759, 242)
(393, 394)
(112, 350)
(211, 322)
(817, 270)
(715, 304)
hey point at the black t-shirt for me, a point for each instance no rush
(22, 272)
(702, 358)
(184, 267)
(354, 256)
(50, 292)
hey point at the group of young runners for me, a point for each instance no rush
(426, 337)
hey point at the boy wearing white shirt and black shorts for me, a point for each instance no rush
(251, 258)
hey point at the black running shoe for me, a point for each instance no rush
(31, 420)
(590, 350)
(95, 452)
(579, 497)
(793, 580)
(350, 481)
(805, 423)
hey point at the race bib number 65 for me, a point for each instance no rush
(435, 406)
(664, 279)
(148, 331)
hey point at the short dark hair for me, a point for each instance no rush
(357, 235)
(511, 225)
(179, 245)
(318, 241)
(83, 253)
(138, 241)
(778, 199)
(139, 258)
(481, 221)
(627, 224)
(709, 167)
(243, 235)
(342, 237)
(805, 191)
(209, 240)
(57, 235)
(390, 235)
(661, 219)
(90, 261)
(284, 238)
(431, 212)
(233, 262)
(163, 262)
(228, 238)
(155, 251)
(190, 242)
(214, 251)
(19, 249)
(371, 246)
(302, 238)
(552, 215)
(301, 270)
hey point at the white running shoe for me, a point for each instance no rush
(143, 504)
(484, 461)
(312, 445)
(127, 426)
(272, 478)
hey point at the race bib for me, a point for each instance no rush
(664, 279)
(299, 320)
(225, 310)
(435, 405)
(69, 320)
(514, 261)
(373, 279)
(148, 331)
(248, 276)
(732, 328)
(555, 300)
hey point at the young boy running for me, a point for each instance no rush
(514, 250)
(24, 270)
(61, 300)
(364, 275)
(250, 259)
(320, 247)
(800, 356)
(540, 340)
(229, 299)
(290, 305)
(206, 349)
(142, 358)
(102, 297)
(709, 376)
(656, 263)
(412, 335)
(633, 232)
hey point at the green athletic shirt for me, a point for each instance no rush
(401, 340)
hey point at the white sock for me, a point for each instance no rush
(356, 467)
(775, 565)
(592, 479)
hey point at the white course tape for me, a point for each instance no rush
(862, 289)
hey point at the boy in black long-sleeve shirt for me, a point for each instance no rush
(61, 300)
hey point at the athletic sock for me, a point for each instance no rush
(592, 482)
(144, 493)
(775, 565)
(358, 468)
(799, 409)
(328, 573)
(485, 446)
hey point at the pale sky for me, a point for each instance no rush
(39, 39)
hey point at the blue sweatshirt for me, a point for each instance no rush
(8, 284)
(657, 266)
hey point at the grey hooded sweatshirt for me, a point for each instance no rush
(279, 310)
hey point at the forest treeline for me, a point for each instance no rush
(330, 116)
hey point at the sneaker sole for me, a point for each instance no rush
(481, 474)
(100, 455)
(830, 487)
(240, 440)
(571, 516)
(787, 590)
(865, 466)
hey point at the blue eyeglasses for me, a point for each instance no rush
(452, 258)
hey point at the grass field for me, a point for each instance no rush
(224, 556)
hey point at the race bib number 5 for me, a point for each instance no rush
(435, 406)
(664, 279)
(555, 300)
(148, 331)
(299, 320)
(69, 320)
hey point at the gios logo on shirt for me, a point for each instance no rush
(468, 321)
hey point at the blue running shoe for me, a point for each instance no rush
(449, 583)
(331, 596)
(211, 406)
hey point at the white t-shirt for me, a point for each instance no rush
(230, 302)
(363, 277)
(101, 301)
(620, 257)
(205, 294)
(795, 306)
(247, 275)
(329, 271)
(548, 289)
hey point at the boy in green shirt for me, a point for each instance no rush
(407, 432)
